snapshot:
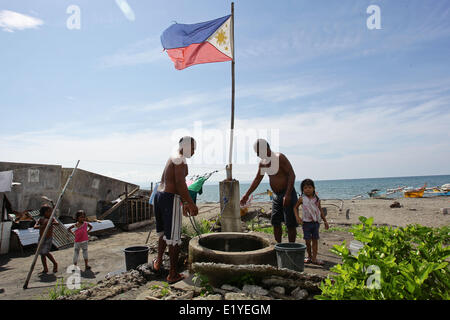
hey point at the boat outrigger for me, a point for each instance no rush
(443, 190)
(377, 193)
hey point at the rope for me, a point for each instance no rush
(225, 202)
(194, 226)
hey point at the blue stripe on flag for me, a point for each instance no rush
(181, 35)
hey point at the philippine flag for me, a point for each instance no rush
(204, 42)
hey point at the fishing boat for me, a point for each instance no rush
(443, 190)
(414, 193)
(376, 193)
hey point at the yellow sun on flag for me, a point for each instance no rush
(221, 37)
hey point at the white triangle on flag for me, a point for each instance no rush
(222, 39)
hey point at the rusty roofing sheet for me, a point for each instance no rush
(62, 238)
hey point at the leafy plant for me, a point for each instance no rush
(395, 263)
(241, 280)
(202, 281)
(165, 292)
(337, 228)
(204, 226)
(164, 289)
(60, 290)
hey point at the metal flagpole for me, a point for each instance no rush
(25, 286)
(229, 167)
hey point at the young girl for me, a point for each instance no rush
(312, 212)
(81, 237)
(45, 212)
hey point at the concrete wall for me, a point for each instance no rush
(36, 180)
(87, 188)
(84, 191)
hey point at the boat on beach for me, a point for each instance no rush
(443, 190)
(376, 193)
(414, 193)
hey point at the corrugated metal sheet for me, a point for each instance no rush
(62, 238)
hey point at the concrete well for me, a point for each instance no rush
(231, 248)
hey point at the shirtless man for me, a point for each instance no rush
(172, 199)
(281, 177)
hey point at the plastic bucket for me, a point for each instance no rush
(135, 256)
(291, 255)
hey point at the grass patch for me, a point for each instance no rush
(164, 289)
(60, 290)
(337, 228)
(269, 230)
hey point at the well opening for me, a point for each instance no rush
(231, 248)
(228, 244)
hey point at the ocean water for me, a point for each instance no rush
(337, 189)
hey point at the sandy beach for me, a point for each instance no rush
(106, 255)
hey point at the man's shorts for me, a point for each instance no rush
(46, 246)
(168, 214)
(311, 230)
(284, 214)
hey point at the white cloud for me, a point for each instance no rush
(11, 21)
(403, 131)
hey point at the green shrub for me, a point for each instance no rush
(395, 263)
(60, 290)
(202, 281)
(204, 226)
(240, 280)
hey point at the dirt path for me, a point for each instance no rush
(105, 255)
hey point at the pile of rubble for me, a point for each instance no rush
(268, 283)
(110, 287)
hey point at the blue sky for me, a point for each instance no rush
(344, 101)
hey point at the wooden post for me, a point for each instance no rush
(41, 241)
(229, 167)
(126, 205)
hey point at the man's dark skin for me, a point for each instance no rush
(281, 180)
(173, 180)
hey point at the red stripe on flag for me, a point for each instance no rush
(196, 53)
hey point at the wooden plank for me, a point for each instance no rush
(114, 207)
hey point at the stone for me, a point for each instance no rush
(209, 297)
(220, 273)
(299, 293)
(254, 290)
(237, 296)
(146, 271)
(444, 210)
(187, 296)
(396, 204)
(309, 282)
(279, 290)
(230, 288)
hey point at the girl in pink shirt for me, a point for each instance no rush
(81, 237)
(312, 214)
